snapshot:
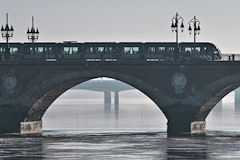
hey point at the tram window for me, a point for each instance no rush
(2, 49)
(100, 49)
(135, 49)
(151, 49)
(66, 49)
(49, 49)
(127, 50)
(131, 50)
(70, 50)
(75, 49)
(197, 49)
(31, 49)
(13, 49)
(90, 49)
(171, 49)
(108, 49)
(216, 52)
(188, 49)
(161, 48)
(204, 50)
(39, 49)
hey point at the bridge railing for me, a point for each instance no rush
(230, 57)
(125, 58)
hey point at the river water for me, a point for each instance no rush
(76, 127)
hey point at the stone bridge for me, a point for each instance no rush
(185, 91)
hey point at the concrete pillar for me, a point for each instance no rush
(198, 127)
(116, 101)
(237, 100)
(34, 127)
(218, 107)
(107, 101)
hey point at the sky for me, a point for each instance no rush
(124, 20)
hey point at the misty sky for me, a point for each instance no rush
(125, 20)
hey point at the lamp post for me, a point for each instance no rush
(32, 34)
(176, 20)
(195, 23)
(7, 34)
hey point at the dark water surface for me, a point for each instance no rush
(79, 129)
(108, 146)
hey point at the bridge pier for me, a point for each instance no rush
(31, 128)
(10, 118)
(181, 121)
(237, 100)
(107, 101)
(198, 127)
(178, 127)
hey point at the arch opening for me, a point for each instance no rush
(225, 116)
(215, 92)
(211, 94)
(63, 83)
(83, 108)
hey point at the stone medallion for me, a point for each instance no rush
(9, 82)
(179, 81)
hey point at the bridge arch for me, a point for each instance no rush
(48, 91)
(215, 92)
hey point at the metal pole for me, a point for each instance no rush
(176, 28)
(7, 37)
(195, 28)
(6, 18)
(32, 38)
(32, 22)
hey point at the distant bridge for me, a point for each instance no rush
(106, 86)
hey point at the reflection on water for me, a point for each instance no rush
(79, 129)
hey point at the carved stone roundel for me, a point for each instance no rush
(9, 82)
(179, 81)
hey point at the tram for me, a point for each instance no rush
(111, 51)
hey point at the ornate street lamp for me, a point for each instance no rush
(32, 33)
(176, 20)
(7, 34)
(195, 23)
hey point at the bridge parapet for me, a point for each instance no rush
(144, 58)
